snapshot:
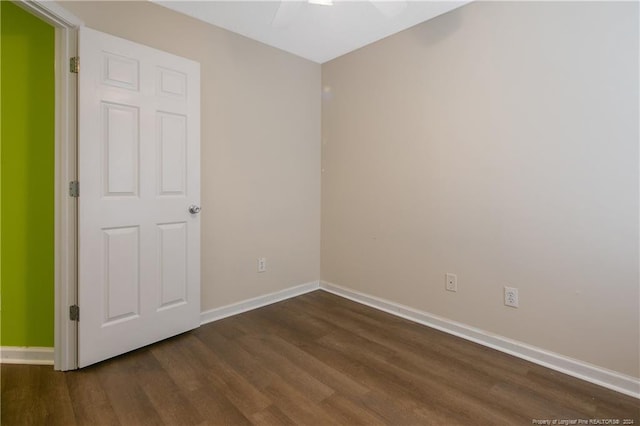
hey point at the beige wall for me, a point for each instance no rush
(498, 142)
(260, 149)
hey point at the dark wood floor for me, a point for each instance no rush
(316, 359)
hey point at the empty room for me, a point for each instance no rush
(320, 212)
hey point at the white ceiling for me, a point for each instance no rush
(315, 32)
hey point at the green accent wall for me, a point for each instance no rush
(27, 114)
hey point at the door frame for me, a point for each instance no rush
(65, 211)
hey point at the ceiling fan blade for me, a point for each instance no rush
(287, 11)
(390, 8)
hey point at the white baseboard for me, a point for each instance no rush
(26, 355)
(257, 302)
(618, 382)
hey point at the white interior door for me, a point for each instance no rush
(139, 172)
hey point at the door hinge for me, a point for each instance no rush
(74, 313)
(74, 64)
(74, 188)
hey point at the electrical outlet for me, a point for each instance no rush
(262, 264)
(511, 297)
(451, 282)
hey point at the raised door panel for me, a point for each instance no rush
(172, 147)
(172, 264)
(120, 143)
(121, 280)
(120, 71)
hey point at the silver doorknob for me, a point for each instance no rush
(193, 209)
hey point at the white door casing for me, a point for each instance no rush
(139, 171)
(66, 25)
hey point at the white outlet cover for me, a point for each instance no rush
(451, 282)
(262, 264)
(511, 297)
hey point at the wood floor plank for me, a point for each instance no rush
(375, 373)
(400, 411)
(351, 412)
(271, 416)
(91, 405)
(252, 369)
(316, 359)
(130, 403)
(20, 397)
(165, 395)
(224, 379)
(296, 406)
(216, 409)
(534, 405)
(193, 380)
(316, 368)
(286, 370)
(55, 398)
